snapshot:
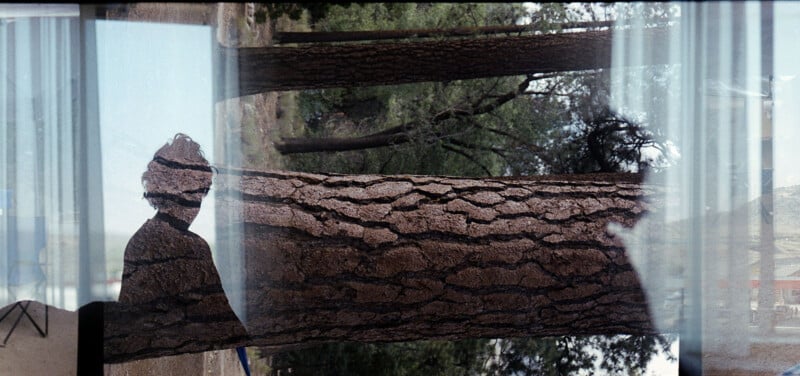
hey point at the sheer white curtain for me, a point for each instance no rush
(61, 76)
(45, 254)
(695, 253)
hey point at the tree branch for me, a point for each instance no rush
(450, 147)
(369, 35)
(394, 135)
(352, 65)
(468, 145)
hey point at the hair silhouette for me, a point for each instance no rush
(177, 178)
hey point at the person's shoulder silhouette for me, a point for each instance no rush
(169, 282)
(163, 259)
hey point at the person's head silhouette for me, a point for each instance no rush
(177, 179)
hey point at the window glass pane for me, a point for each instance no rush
(154, 81)
(717, 261)
(40, 118)
(417, 188)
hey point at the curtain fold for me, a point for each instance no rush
(694, 253)
(40, 124)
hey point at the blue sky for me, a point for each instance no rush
(154, 81)
(787, 94)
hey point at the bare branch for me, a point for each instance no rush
(399, 134)
(472, 159)
(468, 145)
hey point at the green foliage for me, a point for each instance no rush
(258, 365)
(444, 358)
(294, 10)
(392, 16)
(582, 134)
(466, 146)
(567, 355)
(571, 133)
(543, 356)
(554, 131)
(452, 147)
(616, 355)
(626, 353)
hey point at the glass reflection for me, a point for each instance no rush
(715, 261)
(712, 124)
(43, 163)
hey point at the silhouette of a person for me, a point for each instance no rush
(169, 275)
(163, 259)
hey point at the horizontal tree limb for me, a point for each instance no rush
(397, 258)
(352, 65)
(295, 145)
(286, 37)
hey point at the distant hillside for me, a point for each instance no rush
(786, 216)
(668, 245)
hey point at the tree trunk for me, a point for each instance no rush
(285, 37)
(399, 258)
(296, 145)
(325, 66)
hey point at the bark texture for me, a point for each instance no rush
(355, 36)
(397, 258)
(296, 145)
(171, 299)
(349, 65)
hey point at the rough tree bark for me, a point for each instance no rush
(350, 65)
(285, 37)
(297, 145)
(397, 258)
